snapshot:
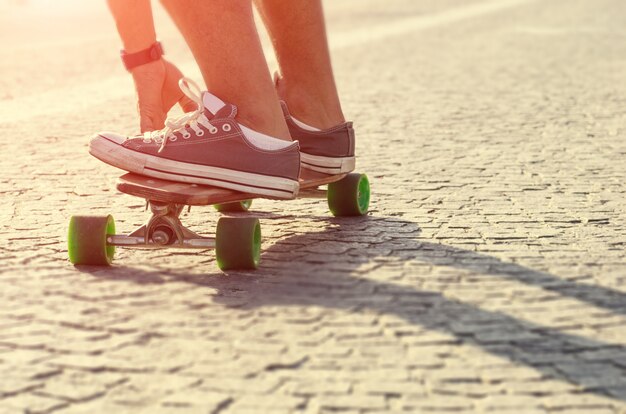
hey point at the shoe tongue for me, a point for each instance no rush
(212, 103)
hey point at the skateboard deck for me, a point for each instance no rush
(165, 191)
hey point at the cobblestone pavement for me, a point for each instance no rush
(488, 277)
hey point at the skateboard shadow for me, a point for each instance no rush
(329, 267)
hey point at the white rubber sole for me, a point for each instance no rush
(328, 165)
(151, 166)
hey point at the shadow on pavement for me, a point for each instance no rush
(324, 268)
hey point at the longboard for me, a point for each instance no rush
(92, 239)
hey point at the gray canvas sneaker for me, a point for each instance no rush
(329, 151)
(207, 146)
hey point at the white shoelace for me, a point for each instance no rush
(189, 120)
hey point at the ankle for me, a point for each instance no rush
(316, 111)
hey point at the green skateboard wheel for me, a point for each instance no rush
(87, 240)
(238, 243)
(238, 206)
(349, 196)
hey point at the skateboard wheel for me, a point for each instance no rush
(239, 206)
(238, 243)
(349, 196)
(87, 240)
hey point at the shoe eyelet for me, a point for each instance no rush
(213, 130)
(186, 135)
(172, 138)
(226, 127)
(147, 141)
(200, 133)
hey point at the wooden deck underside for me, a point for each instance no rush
(166, 191)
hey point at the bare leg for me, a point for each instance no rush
(225, 43)
(298, 33)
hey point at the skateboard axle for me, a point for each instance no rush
(163, 229)
(140, 242)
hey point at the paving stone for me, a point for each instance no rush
(434, 403)
(353, 402)
(196, 400)
(268, 403)
(32, 403)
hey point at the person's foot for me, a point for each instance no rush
(208, 147)
(329, 150)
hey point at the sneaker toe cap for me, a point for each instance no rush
(111, 136)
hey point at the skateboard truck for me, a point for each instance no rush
(237, 242)
(163, 229)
